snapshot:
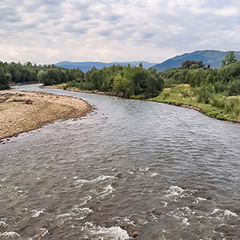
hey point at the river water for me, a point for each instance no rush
(129, 166)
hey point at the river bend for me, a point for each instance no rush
(129, 166)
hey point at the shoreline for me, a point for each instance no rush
(73, 89)
(196, 108)
(26, 111)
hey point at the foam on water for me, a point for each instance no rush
(173, 191)
(131, 180)
(199, 199)
(42, 233)
(153, 174)
(229, 213)
(76, 211)
(10, 234)
(129, 222)
(95, 180)
(85, 200)
(107, 190)
(165, 204)
(221, 214)
(185, 221)
(37, 213)
(3, 224)
(154, 217)
(114, 233)
(146, 171)
(4, 179)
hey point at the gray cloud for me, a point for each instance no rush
(48, 31)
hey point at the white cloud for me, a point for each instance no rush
(49, 31)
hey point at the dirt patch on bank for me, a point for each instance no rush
(26, 111)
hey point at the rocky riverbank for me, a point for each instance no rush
(26, 111)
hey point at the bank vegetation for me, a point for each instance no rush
(213, 91)
(216, 92)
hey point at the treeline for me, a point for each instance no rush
(224, 80)
(123, 81)
(215, 91)
(127, 81)
(17, 73)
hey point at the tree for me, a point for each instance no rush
(189, 64)
(5, 78)
(123, 86)
(229, 59)
(42, 76)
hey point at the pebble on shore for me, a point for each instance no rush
(26, 111)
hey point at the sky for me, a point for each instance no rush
(50, 31)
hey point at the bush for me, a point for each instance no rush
(232, 105)
(218, 101)
(5, 79)
(205, 93)
(234, 87)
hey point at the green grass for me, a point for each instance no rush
(213, 105)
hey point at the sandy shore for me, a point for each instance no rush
(26, 111)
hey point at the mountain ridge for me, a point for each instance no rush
(85, 66)
(209, 57)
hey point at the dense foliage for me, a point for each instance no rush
(223, 80)
(229, 59)
(17, 73)
(5, 77)
(192, 64)
(215, 90)
(209, 86)
(122, 81)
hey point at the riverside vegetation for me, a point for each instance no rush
(121, 81)
(214, 92)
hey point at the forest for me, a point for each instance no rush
(17, 73)
(121, 81)
(214, 90)
(127, 81)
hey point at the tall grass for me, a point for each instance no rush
(212, 104)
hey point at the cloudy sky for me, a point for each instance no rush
(49, 31)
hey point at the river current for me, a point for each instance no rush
(129, 168)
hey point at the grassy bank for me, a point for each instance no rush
(213, 105)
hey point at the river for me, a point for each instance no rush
(129, 167)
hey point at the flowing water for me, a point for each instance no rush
(129, 166)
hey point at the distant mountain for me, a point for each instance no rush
(85, 66)
(209, 57)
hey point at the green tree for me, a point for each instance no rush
(189, 64)
(229, 59)
(41, 76)
(5, 78)
(234, 87)
(123, 86)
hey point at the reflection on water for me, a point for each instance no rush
(129, 167)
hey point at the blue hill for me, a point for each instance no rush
(85, 66)
(209, 57)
